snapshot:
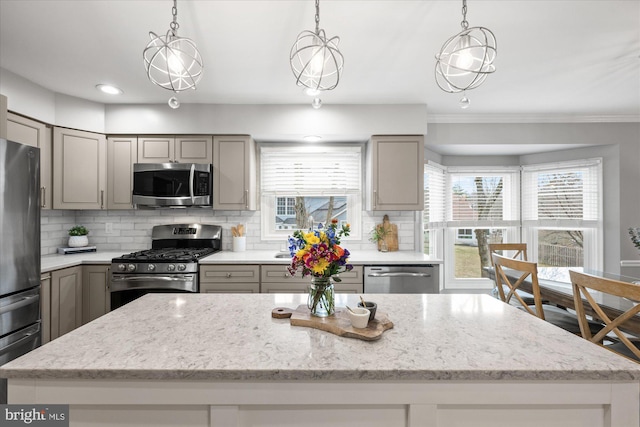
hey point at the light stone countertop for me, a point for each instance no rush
(55, 262)
(231, 337)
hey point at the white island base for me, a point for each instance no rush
(313, 404)
(215, 360)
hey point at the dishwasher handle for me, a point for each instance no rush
(399, 274)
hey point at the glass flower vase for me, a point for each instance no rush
(321, 300)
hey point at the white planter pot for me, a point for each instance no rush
(78, 241)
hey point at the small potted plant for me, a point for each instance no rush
(78, 236)
(378, 234)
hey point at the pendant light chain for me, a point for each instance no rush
(464, 24)
(174, 24)
(317, 16)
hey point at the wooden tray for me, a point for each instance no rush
(338, 324)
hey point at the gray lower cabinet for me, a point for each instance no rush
(276, 279)
(96, 300)
(66, 300)
(229, 278)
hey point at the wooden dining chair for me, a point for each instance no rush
(516, 251)
(588, 288)
(508, 285)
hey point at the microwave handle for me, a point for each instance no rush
(191, 176)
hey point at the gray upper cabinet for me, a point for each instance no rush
(234, 173)
(36, 134)
(181, 149)
(122, 153)
(79, 169)
(396, 173)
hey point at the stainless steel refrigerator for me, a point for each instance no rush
(19, 252)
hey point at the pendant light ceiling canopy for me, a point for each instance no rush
(172, 62)
(315, 60)
(466, 59)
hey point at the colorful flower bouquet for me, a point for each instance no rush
(318, 254)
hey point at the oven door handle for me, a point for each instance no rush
(191, 178)
(186, 283)
(152, 278)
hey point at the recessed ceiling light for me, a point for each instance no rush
(312, 138)
(111, 90)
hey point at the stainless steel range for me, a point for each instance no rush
(171, 265)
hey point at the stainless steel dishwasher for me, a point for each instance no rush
(401, 279)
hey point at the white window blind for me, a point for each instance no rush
(481, 197)
(434, 196)
(562, 193)
(309, 171)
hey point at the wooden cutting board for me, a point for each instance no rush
(391, 234)
(338, 324)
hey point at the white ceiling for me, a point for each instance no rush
(577, 60)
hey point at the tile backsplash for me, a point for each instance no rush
(131, 229)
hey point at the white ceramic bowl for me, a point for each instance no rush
(359, 318)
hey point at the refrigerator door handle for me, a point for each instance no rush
(20, 303)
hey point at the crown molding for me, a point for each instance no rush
(531, 118)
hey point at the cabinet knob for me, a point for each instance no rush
(228, 275)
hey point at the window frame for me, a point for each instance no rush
(354, 197)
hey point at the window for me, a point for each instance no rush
(561, 220)
(466, 209)
(305, 185)
(561, 217)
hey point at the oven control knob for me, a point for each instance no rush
(151, 267)
(182, 267)
(171, 267)
(122, 267)
(131, 267)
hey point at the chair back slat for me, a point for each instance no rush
(527, 270)
(520, 250)
(583, 285)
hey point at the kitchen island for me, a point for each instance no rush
(222, 360)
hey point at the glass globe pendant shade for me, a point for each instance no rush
(173, 62)
(316, 61)
(466, 59)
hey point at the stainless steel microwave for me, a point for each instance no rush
(172, 184)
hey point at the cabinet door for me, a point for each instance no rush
(122, 153)
(193, 149)
(36, 134)
(79, 169)
(397, 173)
(234, 173)
(96, 299)
(156, 149)
(45, 307)
(66, 300)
